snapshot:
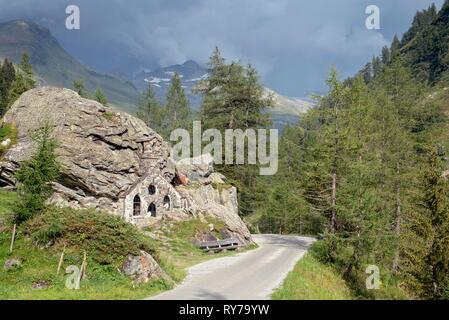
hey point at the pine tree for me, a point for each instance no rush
(421, 21)
(235, 99)
(367, 73)
(79, 87)
(7, 76)
(395, 46)
(376, 64)
(426, 245)
(25, 64)
(150, 110)
(36, 174)
(23, 81)
(177, 104)
(385, 56)
(100, 97)
(399, 94)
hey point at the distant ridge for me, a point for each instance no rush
(54, 66)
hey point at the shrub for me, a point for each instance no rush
(7, 131)
(36, 174)
(107, 238)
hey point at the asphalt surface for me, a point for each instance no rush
(251, 275)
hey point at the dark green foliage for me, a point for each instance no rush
(367, 72)
(233, 96)
(150, 111)
(376, 64)
(421, 21)
(353, 162)
(385, 56)
(285, 212)
(24, 80)
(395, 46)
(234, 99)
(7, 76)
(79, 87)
(36, 174)
(106, 238)
(426, 242)
(176, 112)
(25, 64)
(424, 47)
(7, 131)
(100, 97)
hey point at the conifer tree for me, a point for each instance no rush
(395, 46)
(177, 111)
(23, 81)
(235, 99)
(150, 110)
(7, 76)
(36, 174)
(79, 87)
(426, 245)
(385, 56)
(100, 97)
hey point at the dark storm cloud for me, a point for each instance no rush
(292, 43)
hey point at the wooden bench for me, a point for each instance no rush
(219, 245)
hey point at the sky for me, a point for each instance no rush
(292, 43)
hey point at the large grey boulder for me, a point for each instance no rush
(143, 268)
(102, 151)
(218, 202)
(197, 168)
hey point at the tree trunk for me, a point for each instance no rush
(334, 203)
(395, 265)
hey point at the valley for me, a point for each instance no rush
(122, 186)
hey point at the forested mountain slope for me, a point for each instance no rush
(364, 169)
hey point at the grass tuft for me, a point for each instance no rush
(312, 280)
(107, 238)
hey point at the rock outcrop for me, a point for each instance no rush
(143, 268)
(12, 263)
(109, 159)
(102, 152)
(210, 196)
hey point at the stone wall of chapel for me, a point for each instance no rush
(163, 189)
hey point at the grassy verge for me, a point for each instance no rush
(107, 240)
(6, 202)
(103, 281)
(178, 250)
(312, 280)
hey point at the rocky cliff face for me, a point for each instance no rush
(103, 153)
(211, 196)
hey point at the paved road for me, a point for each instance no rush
(251, 275)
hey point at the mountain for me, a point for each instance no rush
(423, 49)
(425, 45)
(190, 72)
(284, 111)
(54, 66)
